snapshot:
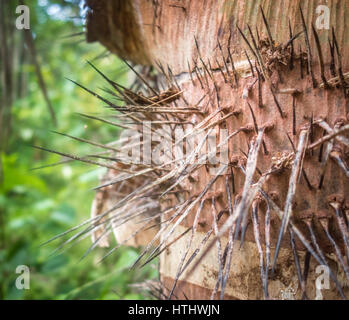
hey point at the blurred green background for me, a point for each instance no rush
(36, 205)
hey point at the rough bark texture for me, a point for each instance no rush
(146, 32)
(163, 33)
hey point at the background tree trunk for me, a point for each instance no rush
(177, 37)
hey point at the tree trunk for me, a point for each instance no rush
(272, 92)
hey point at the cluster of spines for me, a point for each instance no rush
(139, 107)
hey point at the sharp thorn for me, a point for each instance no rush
(306, 273)
(333, 61)
(191, 75)
(329, 137)
(233, 67)
(339, 58)
(221, 71)
(255, 207)
(342, 225)
(301, 62)
(248, 43)
(282, 114)
(271, 41)
(310, 187)
(256, 128)
(321, 57)
(322, 256)
(260, 93)
(296, 169)
(250, 63)
(267, 243)
(141, 78)
(335, 155)
(188, 246)
(197, 75)
(219, 249)
(94, 94)
(292, 46)
(81, 159)
(310, 57)
(230, 245)
(324, 223)
(294, 122)
(259, 57)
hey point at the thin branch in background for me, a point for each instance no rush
(28, 37)
(6, 76)
(31, 46)
(5, 116)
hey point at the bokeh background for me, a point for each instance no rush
(37, 200)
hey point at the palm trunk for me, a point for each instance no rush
(259, 80)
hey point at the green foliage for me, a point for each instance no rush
(36, 205)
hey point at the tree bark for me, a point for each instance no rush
(176, 38)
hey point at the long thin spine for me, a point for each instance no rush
(340, 67)
(232, 62)
(326, 126)
(259, 57)
(336, 155)
(256, 231)
(242, 210)
(324, 224)
(256, 128)
(321, 57)
(302, 238)
(189, 242)
(292, 46)
(329, 137)
(141, 78)
(221, 71)
(267, 243)
(294, 118)
(296, 260)
(219, 250)
(81, 159)
(250, 63)
(260, 93)
(199, 78)
(333, 61)
(321, 254)
(310, 56)
(246, 200)
(224, 60)
(306, 274)
(230, 245)
(296, 169)
(282, 114)
(342, 225)
(271, 41)
(301, 62)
